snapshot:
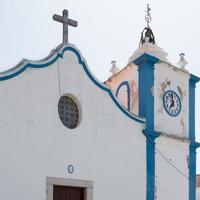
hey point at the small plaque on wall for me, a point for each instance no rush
(70, 169)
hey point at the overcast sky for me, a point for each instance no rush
(108, 30)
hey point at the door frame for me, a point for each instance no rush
(87, 185)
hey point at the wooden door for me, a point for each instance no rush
(67, 193)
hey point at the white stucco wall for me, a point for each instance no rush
(107, 147)
(198, 193)
(168, 77)
(172, 169)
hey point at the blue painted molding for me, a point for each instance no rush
(127, 85)
(146, 58)
(151, 133)
(150, 149)
(192, 173)
(146, 81)
(17, 71)
(192, 84)
(193, 145)
(194, 79)
(146, 109)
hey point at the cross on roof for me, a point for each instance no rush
(66, 22)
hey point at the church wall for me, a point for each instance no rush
(130, 75)
(198, 186)
(198, 193)
(168, 77)
(171, 169)
(107, 147)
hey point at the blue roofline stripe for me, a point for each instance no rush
(83, 63)
(193, 144)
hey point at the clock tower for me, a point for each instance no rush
(164, 94)
(166, 98)
(167, 101)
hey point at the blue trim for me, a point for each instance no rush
(146, 81)
(194, 79)
(150, 149)
(125, 83)
(151, 133)
(146, 109)
(164, 103)
(193, 145)
(192, 85)
(28, 65)
(146, 58)
(192, 172)
(82, 62)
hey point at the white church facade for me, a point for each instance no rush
(198, 187)
(67, 136)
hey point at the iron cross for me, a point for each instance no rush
(66, 22)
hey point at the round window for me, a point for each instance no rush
(68, 111)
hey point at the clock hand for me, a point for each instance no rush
(172, 97)
(172, 104)
(172, 101)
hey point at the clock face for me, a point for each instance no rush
(172, 103)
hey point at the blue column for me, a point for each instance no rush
(150, 168)
(145, 65)
(193, 145)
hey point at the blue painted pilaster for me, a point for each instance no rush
(145, 65)
(193, 145)
(150, 149)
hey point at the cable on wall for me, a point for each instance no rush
(170, 163)
(58, 71)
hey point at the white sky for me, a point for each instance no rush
(108, 30)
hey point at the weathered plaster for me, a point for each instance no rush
(171, 154)
(130, 74)
(168, 77)
(151, 49)
(163, 87)
(134, 95)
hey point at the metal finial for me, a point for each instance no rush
(148, 15)
(147, 34)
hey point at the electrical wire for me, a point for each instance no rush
(170, 163)
(58, 70)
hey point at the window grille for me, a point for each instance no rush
(68, 112)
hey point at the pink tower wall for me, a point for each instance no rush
(129, 74)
